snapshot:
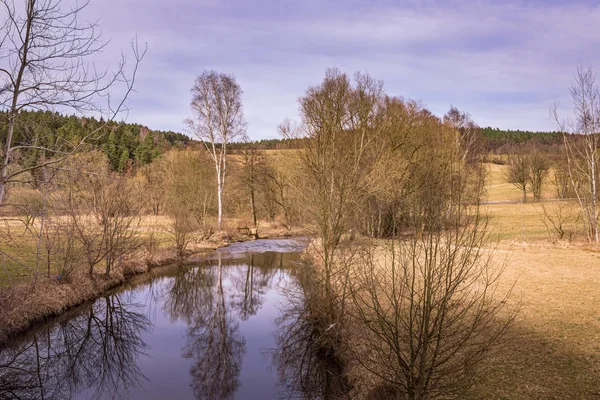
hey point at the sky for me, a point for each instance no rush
(504, 62)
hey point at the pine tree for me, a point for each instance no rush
(123, 161)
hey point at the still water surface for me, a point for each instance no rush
(217, 329)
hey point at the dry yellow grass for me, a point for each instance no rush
(497, 189)
(553, 350)
(530, 222)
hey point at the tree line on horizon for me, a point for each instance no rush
(131, 145)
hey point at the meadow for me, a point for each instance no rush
(553, 350)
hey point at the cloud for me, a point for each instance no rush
(504, 62)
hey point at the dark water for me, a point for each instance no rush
(231, 325)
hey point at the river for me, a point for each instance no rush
(227, 325)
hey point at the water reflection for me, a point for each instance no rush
(211, 299)
(195, 332)
(215, 345)
(306, 369)
(96, 351)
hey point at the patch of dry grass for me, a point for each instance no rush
(497, 189)
(553, 350)
(527, 221)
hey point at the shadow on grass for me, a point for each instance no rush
(527, 365)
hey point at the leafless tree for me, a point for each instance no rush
(518, 171)
(183, 229)
(102, 208)
(277, 188)
(581, 139)
(470, 140)
(539, 169)
(45, 53)
(189, 188)
(339, 120)
(218, 119)
(253, 167)
(427, 308)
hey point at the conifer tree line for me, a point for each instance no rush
(127, 145)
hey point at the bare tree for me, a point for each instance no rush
(539, 168)
(340, 122)
(187, 181)
(183, 229)
(581, 139)
(103, 209)
(218, 120)
(253, 167)
(518, 173)
(469, 138)
(44, 53)
(277, 188)
(427, 306)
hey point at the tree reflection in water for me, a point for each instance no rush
(215, 345)
(96, 351)
(306, 369)
(210, 299)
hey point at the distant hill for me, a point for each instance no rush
(495, 138)
(127, 145)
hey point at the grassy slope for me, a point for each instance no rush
(553, 351)
(497, 189)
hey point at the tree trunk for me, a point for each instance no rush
(253, 205)
(219, 198)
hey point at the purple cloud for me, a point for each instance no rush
(504, 62)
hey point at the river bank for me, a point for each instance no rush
(24, 305)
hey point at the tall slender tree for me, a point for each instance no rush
(218, 119)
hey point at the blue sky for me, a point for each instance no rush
(504, 62)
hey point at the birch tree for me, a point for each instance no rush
(45, 53)
(469, 134)
(218, 119)
(581, 139)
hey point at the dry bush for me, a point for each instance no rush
(425, 312)
(183, 229)
(518, 173)
(559, 218)
(189, 185)
(64, 252)
(103, 208)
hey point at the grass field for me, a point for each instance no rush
(498, 189)
(553, 350)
